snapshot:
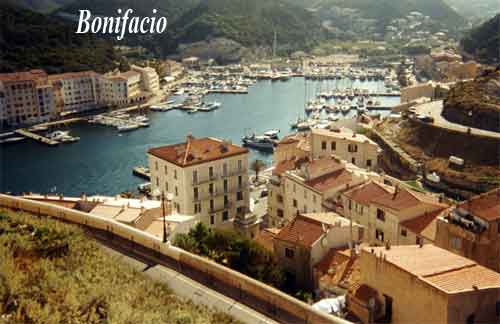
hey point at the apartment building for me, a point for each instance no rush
(305, 241)
(472, 229)
(423, 284)
(393, 215)
(311, 186)
(345, 145)
(26, 98)
(150, 81)
(78, 91)
(207, 177)
(122, 89)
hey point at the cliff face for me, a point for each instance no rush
(476, 103)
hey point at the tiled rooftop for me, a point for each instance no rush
(437, 267)
(364, 194)
(196, 151)
(71, 75)
(302, 230)
(486, 206)
(330, 180)
(32, 75)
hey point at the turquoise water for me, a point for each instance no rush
(102, 161)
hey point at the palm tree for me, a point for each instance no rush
(257, 166)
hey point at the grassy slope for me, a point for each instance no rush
(51, 273)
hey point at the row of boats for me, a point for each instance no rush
(123, 122)
(265, 142)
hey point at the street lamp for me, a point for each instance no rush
(169, 198)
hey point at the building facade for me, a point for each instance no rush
(472, 229)
(207, 177)
(78, 91)
(304, 242)
(423, 284)
(26, 98)
(393, 215)
(345, 145)
(150, 80)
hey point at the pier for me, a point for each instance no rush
(36, 137)
(229, 91)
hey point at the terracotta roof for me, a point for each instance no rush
(420, 225)
(486, 206)
(437, 267)
(287, 165)
(364, 194)
(404, 198)
(301, 230)
(71, 75)
(266, 237)
(330, 180)
(196, 151)
(32, 75)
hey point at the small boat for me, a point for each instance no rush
(141, 171)
(127, 127)
(144, 187)
(12, 140)
(62, 136)
(262, 143)
(272, 134)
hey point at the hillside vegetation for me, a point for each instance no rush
(483, 42)
(51, 273)
(248, 22)
(32, 40)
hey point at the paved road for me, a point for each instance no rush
(434, 109)
(189, 289)
(266, 308)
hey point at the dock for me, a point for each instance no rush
(228, 91)
(36, 137)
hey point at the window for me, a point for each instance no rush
(195, 177)
(226, 202)
(419, 241)
(197, 208)
(225, 185)
(280, 199)
(381, 215)
(333, 146)
(195, 193)
(166, 186)
(211, 172)
(211, 204)
(279, 212)
(240, 182)
(314, 198)
(157, 182)
(240, 165)
(166, 170)
(224, 169)
(295, 203)
(305, 194)
(404, 233)
(456, 243)
(239, 196)
(175, 174)
(353, 160)
(176, 191)
(352, 148)
(350, 204)
(211, 188)
(323, 145)
(212, 219)
(368, 163)
(156, 165)
(225, 216)
(289, 253)
(379, 235)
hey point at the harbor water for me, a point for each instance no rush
(102, 161)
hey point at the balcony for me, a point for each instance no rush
(205, 179)
(233, 173)
(218, 192)
(222, 208)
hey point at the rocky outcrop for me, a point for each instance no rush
(476, 103)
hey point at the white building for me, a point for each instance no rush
(123, 88)
(150, 81)
(78, 91)
(345, 145)
(207, 177)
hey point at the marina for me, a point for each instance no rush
(103, 158)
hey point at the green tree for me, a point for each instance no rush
(257, 166)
